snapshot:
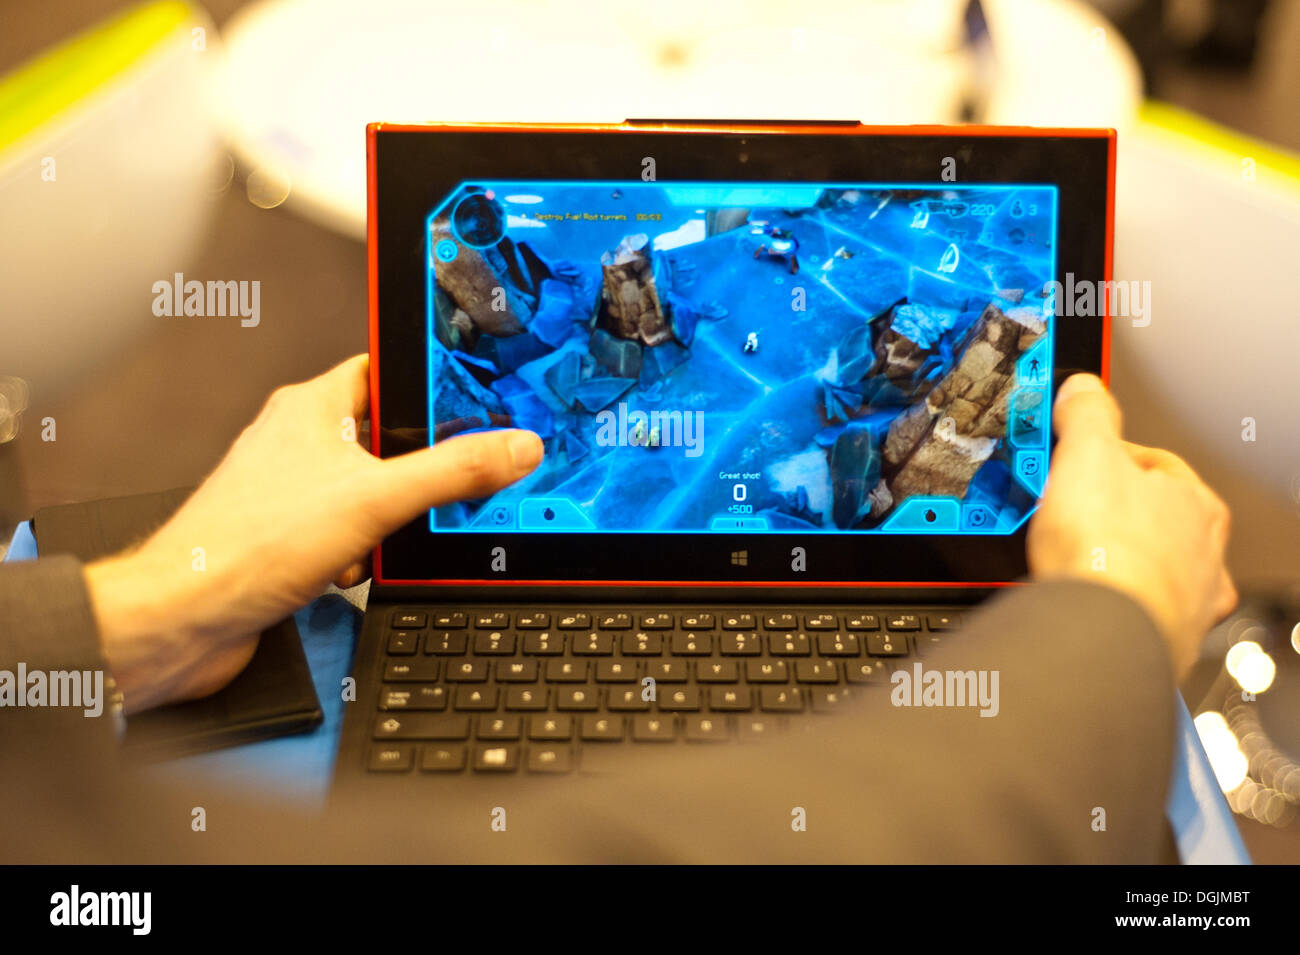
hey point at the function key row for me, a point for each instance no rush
(581, 620)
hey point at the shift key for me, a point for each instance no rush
(421, 726)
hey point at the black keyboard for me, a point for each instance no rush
(551, 690)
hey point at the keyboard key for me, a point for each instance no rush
(780, 699)
(577, 697)
(738, 621)
(410, 671)
(391, 759)
(679, 699)
(550, 726)
(544, 644)
(886, 645)
(658, 621)
(526, 697)
(494, 643)
(467, 671)
(630, 700)
(409, 620)
(496, 620)
(717, 671)
(839, 645)
(794, 644)
(816, 671)
(862, 621)
(424, 696)
(601, 728)
(575, 621)
(516, 671)
(450, 621)
(866, 671)
(550, 759)
(446, 643)
(707, 729)
(740, 644)
(567, 671)
(759, 727)
(496, 759)
(442, 759)
(821, 621)
(692, 643)
(826, 699)
(730, 699)
(903, 622)
(766, 671)
(421, 726)
(653, 729)
(927, 643)
(499, 727)
(780, 621)
(476, 697)
(698, 621)
(403, 642)
(643, 644)
(593, 644)
(667, 671)
(615, 671)
(943, 621)
(537, 620)
(614, 621)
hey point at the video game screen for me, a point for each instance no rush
(769, 357)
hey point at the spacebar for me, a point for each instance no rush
(421, 726)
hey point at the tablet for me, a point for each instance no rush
(828, 347)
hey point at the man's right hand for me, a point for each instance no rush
(1134, 518)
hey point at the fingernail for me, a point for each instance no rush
(1079, 383)
(525, 450)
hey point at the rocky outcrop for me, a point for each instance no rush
(936, 446)
(480, 296)
(633, 307)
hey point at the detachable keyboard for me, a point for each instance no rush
(549, 689)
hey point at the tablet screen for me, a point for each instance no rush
(732, 357)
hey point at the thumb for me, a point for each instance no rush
(465, 467)
(1084, 408)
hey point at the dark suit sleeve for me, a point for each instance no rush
(1074, 767)
(46, 624)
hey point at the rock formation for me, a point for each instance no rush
(936, 446)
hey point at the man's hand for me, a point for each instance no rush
(295, 504)
(1137, 519)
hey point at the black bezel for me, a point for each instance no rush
(416, 167)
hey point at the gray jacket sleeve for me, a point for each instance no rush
(1074, 767)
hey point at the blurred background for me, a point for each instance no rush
(226, 142)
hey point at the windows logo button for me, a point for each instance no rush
(740, 558)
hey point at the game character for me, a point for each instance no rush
(751, 343)
(781, 244)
